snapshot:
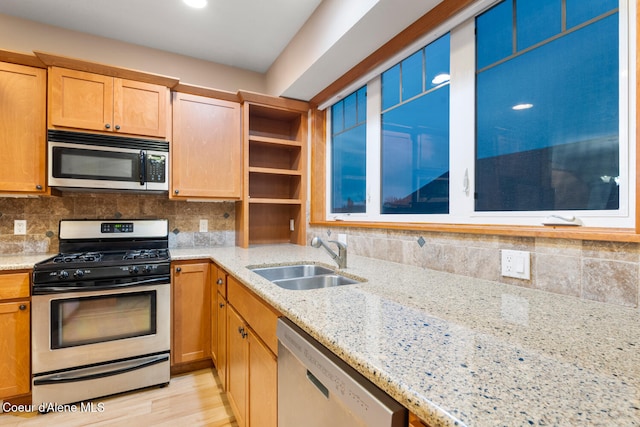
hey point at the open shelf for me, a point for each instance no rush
(274, 199)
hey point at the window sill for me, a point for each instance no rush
(557, 232)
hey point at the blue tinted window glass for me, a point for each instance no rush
(561, 151)
(580, 11)
(412, 75)
(415, 156)
(362, 104)
(349, 171)
(391, 87)
(337, 117)
(494, 34)
(350, 111)
(437, 61)
(537, 20)
(348, 153)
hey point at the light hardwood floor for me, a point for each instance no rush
(192, 399)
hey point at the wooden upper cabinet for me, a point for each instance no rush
(22, 129)
(206, 148)
(95, 102)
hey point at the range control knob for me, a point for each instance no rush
(78, 274)
(133, 269)
(146, 269)
(63, 274)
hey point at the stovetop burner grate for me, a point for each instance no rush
(78, 257)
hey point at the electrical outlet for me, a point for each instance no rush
(20, 226)
(516, 264)
(204, 225)
(342, 238)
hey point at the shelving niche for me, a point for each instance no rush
(275, 138)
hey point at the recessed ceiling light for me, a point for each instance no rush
(198, 4)
(522, 106)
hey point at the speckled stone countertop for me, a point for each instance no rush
(462, 351)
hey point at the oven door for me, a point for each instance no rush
(76, 329)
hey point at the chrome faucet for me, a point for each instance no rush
(340, 257)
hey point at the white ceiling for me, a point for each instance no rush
(300, 46)
(248, 34)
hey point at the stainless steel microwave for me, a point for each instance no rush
(81, 160)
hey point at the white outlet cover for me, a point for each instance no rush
(20, 226)
(516, 264)
(204, 225)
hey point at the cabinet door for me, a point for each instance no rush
(221, 338)
(238, 366)
(80, 100)
(213, 289)
(206, 148)
(22, 128)
(14, 348)
(140, 108)
(263, 384)
(191, 312)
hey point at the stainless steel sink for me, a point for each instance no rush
(303, 276)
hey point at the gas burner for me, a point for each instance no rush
(78, 257)
(145, 254)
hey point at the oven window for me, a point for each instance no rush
(96, 319)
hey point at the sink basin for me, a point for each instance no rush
(314, 282)
(292, 271)
(303, 276)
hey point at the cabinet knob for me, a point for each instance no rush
(117, 127)
(221, 305)
(176, 191)
(38, 187)
(244, 334)
(107, 126)
(240, 329)
(219, 282)
(22, 307)
(178, 269)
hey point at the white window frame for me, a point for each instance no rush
(462, 135)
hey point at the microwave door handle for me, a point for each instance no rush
(142, 157)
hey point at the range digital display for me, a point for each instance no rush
(116, 227)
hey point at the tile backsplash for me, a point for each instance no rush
(600, 271)
(43, 214)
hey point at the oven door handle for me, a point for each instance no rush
(43, 290)
(93, 373)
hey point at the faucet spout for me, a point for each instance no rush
(340, 258)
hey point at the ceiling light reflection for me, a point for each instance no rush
(441, 78)
(522, 107)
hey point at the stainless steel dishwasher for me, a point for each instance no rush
(317, 389)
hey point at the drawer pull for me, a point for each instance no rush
(22, 307)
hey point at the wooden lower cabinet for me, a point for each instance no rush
(191, 319)
(238, 366)
(15, 338)
(252, 366)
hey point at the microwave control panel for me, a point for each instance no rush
(156, 168)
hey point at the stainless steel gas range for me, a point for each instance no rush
(101, 311)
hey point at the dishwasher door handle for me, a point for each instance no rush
(316, 382)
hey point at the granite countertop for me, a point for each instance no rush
(457, 350)
(463, 351)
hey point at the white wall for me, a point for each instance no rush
(27, 36)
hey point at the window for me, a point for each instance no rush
(523, 110)
(348, 153)
(547, 111)
(415, 133)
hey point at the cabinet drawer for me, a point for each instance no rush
(14, 285)
(259, 315)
